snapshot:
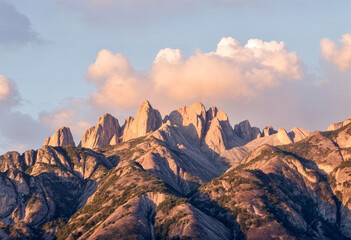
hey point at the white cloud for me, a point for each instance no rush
(341, 56)
(168, 55)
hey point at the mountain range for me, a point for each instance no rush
(189, 175)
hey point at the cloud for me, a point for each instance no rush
(118, 83)
(15, 28)
(71, 115)
(8, 93)
(340, 57)
(18, 131)
(122, 12)
(231, 72)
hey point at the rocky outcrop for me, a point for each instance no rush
(219, 135)
(283, 136)
(246, 132)
(100, 136)
(147, 120)
(267, 131)
(335, 126)
(275, 139)
(297, 134)
(190, 120)
(191, 177)
(62, 137)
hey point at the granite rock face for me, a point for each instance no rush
(335, 126)
(191, 177)
(191, 121)
(246, 132)
(267, 131)
(219, 135)
(62, 137)
(101, 135)
(297, 134)
(147, 120)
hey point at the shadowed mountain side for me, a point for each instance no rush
(50, 183)
(275, 193)
(246, 132)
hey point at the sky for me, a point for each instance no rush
(65, 63)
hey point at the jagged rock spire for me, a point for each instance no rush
(246, 132)
(147, 120)
(99, 136)
(62, 137)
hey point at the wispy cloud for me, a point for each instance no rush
(15, 27)
(121, 12)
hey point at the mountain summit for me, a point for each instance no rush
(146, 120)
(62, 137)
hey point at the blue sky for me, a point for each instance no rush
(47, 48)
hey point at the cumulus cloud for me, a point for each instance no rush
(15, 28)
(340, 56)
(118, 83)
(232, 71)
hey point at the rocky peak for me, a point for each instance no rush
(147, 120)
(267, 131)
(283, 136)
(296, 134)
(219, 134)
(246, 132)
(100, 135)
(191, 120)
(335, 126)
(211, 113)
(62, 137)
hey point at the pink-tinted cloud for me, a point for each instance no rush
(339, 56)
(118, 84)
(8, 93)
(233, 71)
(66, 116)
(4, 88)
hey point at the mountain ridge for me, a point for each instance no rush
(191, 175)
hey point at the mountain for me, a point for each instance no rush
(246, 132)
(190, 175)
(105, 132)
(146, 120)
(335, 126)
(62, 137)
